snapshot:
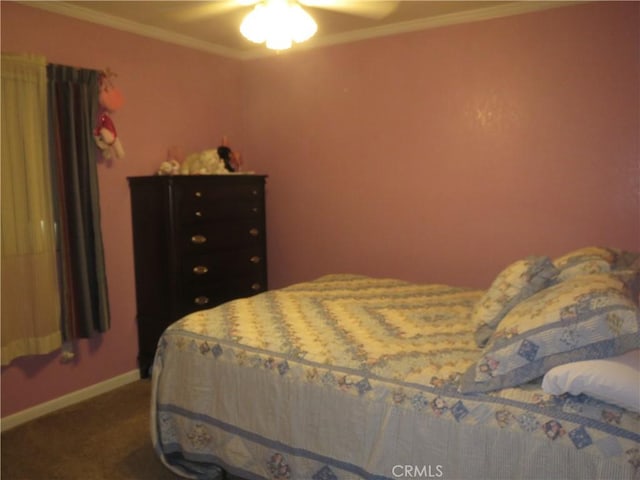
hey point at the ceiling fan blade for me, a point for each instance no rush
(375, 9)
(198, 10)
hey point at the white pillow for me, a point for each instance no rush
(613, 380)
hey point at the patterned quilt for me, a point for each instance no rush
(350, 377)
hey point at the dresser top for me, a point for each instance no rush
(230, 178)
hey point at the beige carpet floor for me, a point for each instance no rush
(104, 438)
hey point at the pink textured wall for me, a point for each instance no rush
(437, 156)
(443, 155)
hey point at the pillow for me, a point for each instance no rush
(584, 318)
(607, 254)
(613, 380)
(584, 261)
(518, 281)
(626, 260)
(631, 279)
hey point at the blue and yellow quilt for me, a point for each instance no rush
(351, 377)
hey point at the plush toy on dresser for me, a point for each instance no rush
(206, 162)
(231, 158)
(216, 161)
(171, 166)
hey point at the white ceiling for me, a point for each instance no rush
(213, 26)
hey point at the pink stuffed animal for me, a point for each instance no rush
(105, 133)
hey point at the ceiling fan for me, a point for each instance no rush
(279, 23)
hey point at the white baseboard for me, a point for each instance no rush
(69, 399)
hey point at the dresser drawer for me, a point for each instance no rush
(221, 265)
(221, 200)
(205, 192)
(200, 297)
(231, 234)
(251, 208)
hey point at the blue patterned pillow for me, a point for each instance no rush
(585, 261)
(626, 260)
(583, 318)
(516, 282)
(594, 259)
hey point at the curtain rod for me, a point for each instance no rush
(102, 72)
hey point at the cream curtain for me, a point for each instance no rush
(30, 304)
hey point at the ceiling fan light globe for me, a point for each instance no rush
(302, 26)
(278, 23)
(279, 42)
(253, 27)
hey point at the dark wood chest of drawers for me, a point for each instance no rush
(198, 241)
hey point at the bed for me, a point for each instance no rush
(352, 377)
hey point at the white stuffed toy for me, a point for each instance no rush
(106, 137)
(206, 162)
(211, 162)
(170, 167)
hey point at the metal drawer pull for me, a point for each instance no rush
(198, 213)
(254, 210)
(254, 232)
(198, 194)
(200, 269)
(201, 300)
(255, 193)
(256, 286)
(255, 259)
(198, 239)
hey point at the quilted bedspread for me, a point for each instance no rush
(350, 377)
